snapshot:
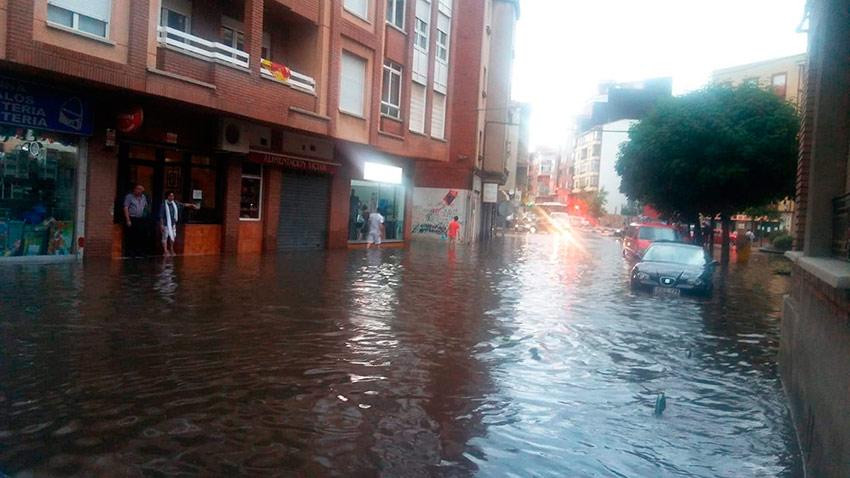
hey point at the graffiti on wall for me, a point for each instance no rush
(434, 209)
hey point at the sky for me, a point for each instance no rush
(564, 48)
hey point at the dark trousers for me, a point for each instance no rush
(136, 237)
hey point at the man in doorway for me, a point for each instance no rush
(136, 212)
(454, 230)
(376, 229)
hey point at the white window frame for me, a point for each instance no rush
(75, 21)
(443, 47)
(392, 10)
(260, 199)
(392, 78)
(362, 15)
(236, 27)
(365, 62)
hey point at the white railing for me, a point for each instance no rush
(207, 50)
(298, 80)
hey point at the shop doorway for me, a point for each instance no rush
(304, 203)
(192, 177)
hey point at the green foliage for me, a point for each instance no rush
(714, 151)
(771, 236)
(770, 212)
(593, 204)
(783, 242)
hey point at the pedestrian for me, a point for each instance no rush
(136, 213)
(169, 216)
(364, 224)
(751, 236)
(376, 229)
(454, 229)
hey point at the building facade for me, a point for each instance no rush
(467, 185)
(280, 120)
(815, 343)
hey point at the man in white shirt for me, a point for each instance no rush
(376, 229)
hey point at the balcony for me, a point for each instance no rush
(202, 49)
(281, 74)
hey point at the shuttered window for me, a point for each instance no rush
(438, 117)
(87, 16)
(353, 84)
(358, 7)
(417, 108)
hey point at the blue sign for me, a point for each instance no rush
(31, 106)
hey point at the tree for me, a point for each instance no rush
(715, 151)
(593, 203)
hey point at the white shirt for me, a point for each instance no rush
(375, 221)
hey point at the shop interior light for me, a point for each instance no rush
(382, 173)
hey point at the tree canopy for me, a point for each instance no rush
(718, 150)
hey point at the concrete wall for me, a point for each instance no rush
(814, 358)
(432, 213)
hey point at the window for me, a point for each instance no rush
(391, 96)
(779, 83)
(352, 91)
(91, 16)
(358, 7)
(597, 150)
(438, 116)
(584, 153)
(395, 13)
(38, 186)
(421, 34)
(176, 14)
(231, 33)
(443, 24)
(417, 108)
(252, 186)
(368, 197)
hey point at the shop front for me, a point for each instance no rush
(377, 185)
(43, 134)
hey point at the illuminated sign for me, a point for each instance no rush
(382, 173)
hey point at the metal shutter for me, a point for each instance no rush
(417, 108)
(303, 212)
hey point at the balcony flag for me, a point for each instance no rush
(277, 70)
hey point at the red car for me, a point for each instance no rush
(638, 237)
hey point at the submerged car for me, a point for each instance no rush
(638, 237)
(670, 268)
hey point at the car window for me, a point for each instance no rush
(676, 254)
(658, 234)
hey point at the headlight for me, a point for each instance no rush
(641, 276)
(694, 281)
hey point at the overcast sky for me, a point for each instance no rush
(564, 48)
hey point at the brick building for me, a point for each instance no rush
(467, 185)
(815, 344)
(279, 119)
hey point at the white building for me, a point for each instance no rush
(595, 157)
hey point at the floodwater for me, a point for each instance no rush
(527, 358)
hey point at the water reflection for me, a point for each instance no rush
(526, 358)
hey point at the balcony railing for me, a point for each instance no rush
(841, 226)
(205, 49)
(282, 74)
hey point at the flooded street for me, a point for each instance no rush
(530, 358)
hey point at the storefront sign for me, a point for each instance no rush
(28, 105)
(130, 119)
(491, 193)
(291, 162)
(171, 138)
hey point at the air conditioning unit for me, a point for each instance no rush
(233, 135)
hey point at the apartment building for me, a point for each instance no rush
(279, 120)
(468, 184)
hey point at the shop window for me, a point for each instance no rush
(252, 185)
(37, 193)
(369, 197)
(142, 153)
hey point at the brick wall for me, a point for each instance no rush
(804, 157)
(230, 212)
(101, 191)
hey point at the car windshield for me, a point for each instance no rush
(658, 234)
(693, 256)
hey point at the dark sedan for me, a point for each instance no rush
(669, 268)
